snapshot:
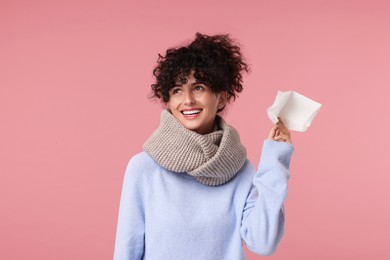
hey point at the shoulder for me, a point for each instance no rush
(140, 166)
(141, 161)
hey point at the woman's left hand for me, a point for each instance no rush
(280, 133)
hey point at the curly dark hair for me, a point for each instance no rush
(215, 60)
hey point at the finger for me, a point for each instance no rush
(272, 132)
(279, 138)
(283, 138)
(284, 129)
(281, 122)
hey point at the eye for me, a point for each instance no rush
(175, 90)
(199, 88)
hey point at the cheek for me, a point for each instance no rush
(172, 105)
(214, 103)
(210, 100)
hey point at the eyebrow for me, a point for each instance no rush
(192, 84)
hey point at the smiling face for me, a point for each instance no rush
(195, 105)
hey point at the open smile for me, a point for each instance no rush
(191, 113)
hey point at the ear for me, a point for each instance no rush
(222, 100)
(166, 105)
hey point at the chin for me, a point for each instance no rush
(191, 127)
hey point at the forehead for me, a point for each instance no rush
(187, 80)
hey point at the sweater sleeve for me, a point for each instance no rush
(262, 224)
(129, 242)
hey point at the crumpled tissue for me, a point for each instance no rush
(296, 111)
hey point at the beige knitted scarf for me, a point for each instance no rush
(213, 159)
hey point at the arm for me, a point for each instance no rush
(262, 225)
(129, 243)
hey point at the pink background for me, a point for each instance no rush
(74, 80)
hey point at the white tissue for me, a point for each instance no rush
(296, 111)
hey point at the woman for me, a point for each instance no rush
(192, 193)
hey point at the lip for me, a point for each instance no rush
(191, 117)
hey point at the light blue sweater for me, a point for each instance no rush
(171, 216)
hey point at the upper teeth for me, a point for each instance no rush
(191, 112)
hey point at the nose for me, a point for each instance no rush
(189, 98)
